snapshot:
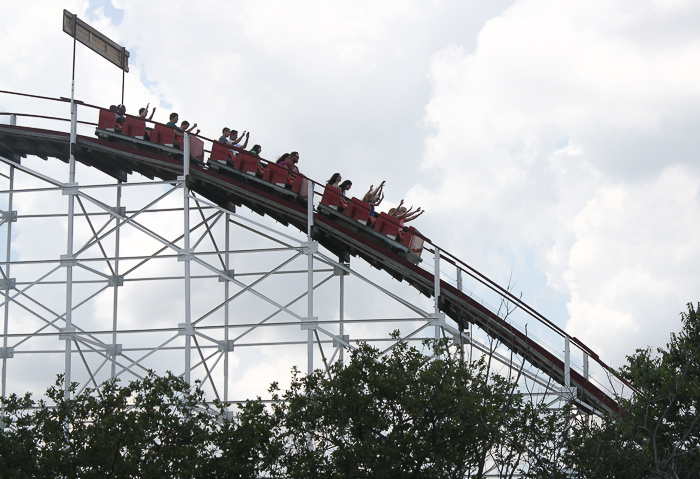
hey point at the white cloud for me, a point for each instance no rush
(634, 256)
(566, 135)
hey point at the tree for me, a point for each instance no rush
(247, 444)
(657, 433)
(403, 414)
(154, 427)
(407, 414)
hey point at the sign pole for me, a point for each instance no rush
(116, 54)
(71, 206)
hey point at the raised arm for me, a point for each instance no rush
(235, 141)
(247, 136)
(375, 196)
(395, 211)
(150, 118)
(379, 200)
(415, 215)
(403, 214)
(380, 189)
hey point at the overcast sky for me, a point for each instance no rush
(552, 141)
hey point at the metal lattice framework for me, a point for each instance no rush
(104, 278)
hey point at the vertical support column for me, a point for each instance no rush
(341, 315)
(310, 250)
(227, 263)
(117, 283)
(437, 289)
(187, 255)
(6, 319)
(68, 336)
(461, 325)
(585, 365)
(310, 273)
(567, 363)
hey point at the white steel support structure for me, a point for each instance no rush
(235, 311)
(125, 343)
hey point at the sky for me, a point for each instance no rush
(553, 144)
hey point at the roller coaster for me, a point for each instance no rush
(228, 178)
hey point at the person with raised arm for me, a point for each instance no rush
(143, 113)
(404, 215)
(186, 124)
(374, 197)
(235, 140)
(392, 211)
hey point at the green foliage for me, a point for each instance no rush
(410, 415)
(156, 427)
(403, 414)
(657, 434)
(247, 444)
